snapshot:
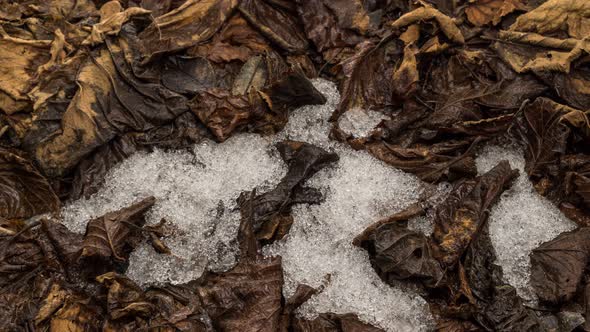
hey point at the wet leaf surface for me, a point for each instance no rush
(424, 86)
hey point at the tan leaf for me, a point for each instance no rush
(447, 25)
(572, 16)
(491, 11)
(111, 21)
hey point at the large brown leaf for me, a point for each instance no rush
(19, 61)
(334, 24)
(398, 253)
(111, 99)
(482, 12)
(196, 21)
(557, 15)
(107, 236)
(545, 136)
(460, 217)
(92, 170)
(557, 266)
(24, 192)
(275, 23)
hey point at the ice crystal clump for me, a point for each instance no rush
(189, 188)
(520, 221)
(359, 122)
(196, 192)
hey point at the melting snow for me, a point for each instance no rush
(520, 221)
(360, 123)
(197, 191)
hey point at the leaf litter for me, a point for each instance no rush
(266, 165)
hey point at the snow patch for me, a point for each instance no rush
(520, 221)
(359, 122)
(196, 192)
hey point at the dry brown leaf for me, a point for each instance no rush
(112, 19)
(447, 25)
(407, 75)
(543, 58)
(571, 16)
(483, 12)
(19, 61)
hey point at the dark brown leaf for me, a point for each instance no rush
(271, 210)
(558, 266)
(106, 236)
(24, 192)
(330, 322)
(545, 137)
(465, 210)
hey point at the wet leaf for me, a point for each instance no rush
(247, 297)
(92, 170)
(112, 18)
(545, 136)
(194, 22)
(445, 23)
(558, 266)
(398, 253)
(102, 107)
(271, 210)
(106, 236)
(24, 192)
(330, 322)
(465, 210)
(334, 24)
(124, 297)
(275, 23)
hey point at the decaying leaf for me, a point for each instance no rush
(558, 266)
(334, 24)
(570, 16)
(545, 136)
(446, 24)
(195, 21)
(271, 210)
(106, 236)
(24, 192)
(124, 297)
(112, 18)
(398, 253)
(482, 12)
(330, 322)
(110, 99)
(20, 60)
(423, 86)
(465, 210)
(247, 297)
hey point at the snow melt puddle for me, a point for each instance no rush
(520, 221)
(197, 191)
